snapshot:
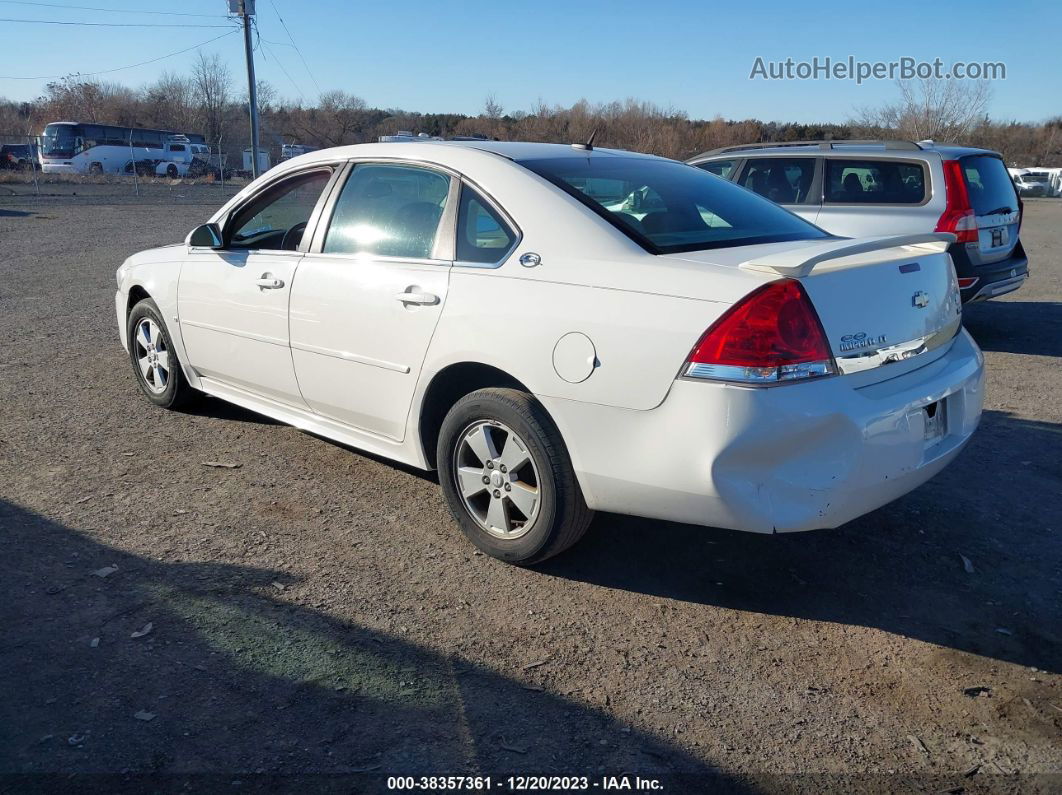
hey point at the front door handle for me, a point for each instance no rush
(421, 299)
(267, 282)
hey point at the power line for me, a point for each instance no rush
(294, 85)
(121, 68)
(296, 46)
(109, 10)
(113, 24)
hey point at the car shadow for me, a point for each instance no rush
(900, 569)
(122, 664)
(14, 213)
(1028, 327)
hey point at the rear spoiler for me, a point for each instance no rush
(799, 262)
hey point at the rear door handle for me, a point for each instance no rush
(267, 282)
(421, 299)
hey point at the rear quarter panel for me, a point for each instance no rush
(640, 340)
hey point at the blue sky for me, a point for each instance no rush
(447, 56)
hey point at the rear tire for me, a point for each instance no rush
(155, 363)
(95, 169)
(507, 477)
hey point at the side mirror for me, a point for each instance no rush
(206, 236)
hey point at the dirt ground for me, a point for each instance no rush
(312, 619)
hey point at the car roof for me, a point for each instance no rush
(882, 149)
(516, 151)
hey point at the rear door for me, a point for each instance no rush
(995, 205)
(865, 197)
(369, 293)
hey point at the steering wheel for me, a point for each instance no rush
(293, 236)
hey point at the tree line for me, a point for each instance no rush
(206, 101)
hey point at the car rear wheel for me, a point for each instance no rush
(508, 479)
(154, 360)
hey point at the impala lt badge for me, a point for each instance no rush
(854, 342)
(920, 299)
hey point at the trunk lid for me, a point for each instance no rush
(891, 305)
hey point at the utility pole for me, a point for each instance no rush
(245, 9)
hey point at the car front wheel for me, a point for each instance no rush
(154, 360)
(508, 479)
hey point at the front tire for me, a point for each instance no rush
(172, 172)
(508, 479)
(154, 360)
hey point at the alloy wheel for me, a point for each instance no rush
(152, 355)
(497, 479)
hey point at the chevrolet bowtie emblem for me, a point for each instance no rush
(920, 299)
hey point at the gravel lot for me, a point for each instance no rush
(315, 611)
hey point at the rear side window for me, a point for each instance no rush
(988, 185)
(784, 180)
(388, 210)
(721, 168)
(874, 182)
(669, 207)
(482, 234)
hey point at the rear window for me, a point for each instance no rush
(989, 185)
(874, 182)
(669, 207)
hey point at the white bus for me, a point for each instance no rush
(88, 148)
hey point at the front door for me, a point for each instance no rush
(233, 302)
(368, 296)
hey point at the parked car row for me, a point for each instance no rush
(563, 329)
(1037, 182)
(865, 188)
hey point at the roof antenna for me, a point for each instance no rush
(589, 145)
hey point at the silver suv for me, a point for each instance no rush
(872, 188)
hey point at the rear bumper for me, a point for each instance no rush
(993, 278)
(782, 459)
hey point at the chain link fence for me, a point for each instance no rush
(118, 172)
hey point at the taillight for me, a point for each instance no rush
(967, 282)
(958, 216)
(770, 336)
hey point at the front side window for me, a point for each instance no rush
(784, 180)
(681, 208)
(388, 210)
(874, 182)
(482, 234)
(276, 219)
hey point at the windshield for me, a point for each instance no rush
(59, 140)
(989, 185)
(669, 207)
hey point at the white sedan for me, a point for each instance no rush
(508, 314)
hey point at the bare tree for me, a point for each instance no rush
(213, 84)
(492, 109)
(170, 102)
(931, 108)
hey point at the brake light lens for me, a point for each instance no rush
(968, 281)
(958, 217)
(773, 335)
